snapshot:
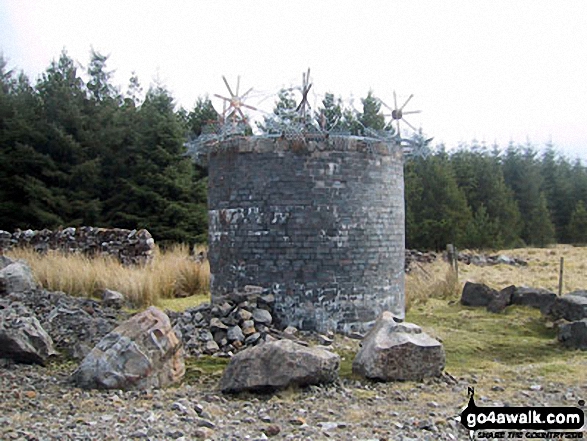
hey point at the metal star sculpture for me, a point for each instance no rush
(397, 114)
(306, 86)
(233, 106)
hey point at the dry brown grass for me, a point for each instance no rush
(170, 274)
(432, 281)
(542, 270)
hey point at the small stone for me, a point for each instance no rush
(235, 334)
(205, 335)
(299, 421)
(262, 316)
(290, 330)
(225, 309)
(211, 347)
(30, 394)
(248, 327)
(328, 425)
(216, 324)
(253, 338)
(324, 341)
(202, 422)
(272, 430)
(268, 299)
(244, 315)
(203, 433)
(536, 387)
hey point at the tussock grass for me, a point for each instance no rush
(434, 281)
(171, 274)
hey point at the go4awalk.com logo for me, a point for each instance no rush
(522, 422)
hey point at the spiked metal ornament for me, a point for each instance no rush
(232, 107)
(306, 86)
(398, 113)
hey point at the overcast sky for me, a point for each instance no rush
(495, 71)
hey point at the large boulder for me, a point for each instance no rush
(569, 307)
(478, 294)
(16, 278)
(277, 365)
(142, 352)
(534, 297)
(398, 351)
(501, 300)
(574, 334)
(22, 338)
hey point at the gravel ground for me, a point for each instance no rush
(40, 403)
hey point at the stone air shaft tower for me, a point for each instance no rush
(318, 222)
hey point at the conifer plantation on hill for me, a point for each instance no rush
(76, 150)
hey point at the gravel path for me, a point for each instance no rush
(39, 403)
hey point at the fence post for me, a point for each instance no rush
(560, 277)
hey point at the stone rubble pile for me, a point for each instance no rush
(75, 324)
(131, 247)
(240, 320)
(568, 311)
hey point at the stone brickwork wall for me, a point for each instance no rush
(129, 246)
(320, 223)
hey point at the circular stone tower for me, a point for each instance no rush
(318, 222)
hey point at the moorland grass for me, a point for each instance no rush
(169, 275)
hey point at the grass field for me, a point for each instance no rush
(517, 342)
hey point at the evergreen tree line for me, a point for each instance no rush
(75, 150)
(478, 197)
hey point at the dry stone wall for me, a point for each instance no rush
(129, 246)
(320, 223)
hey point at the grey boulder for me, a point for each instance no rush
(22, 338)
(141, 353)
(477, 294)
(16, 278)
(570, 307)
(501, 300)
(277, 365)
(398, 351)
(534, 297)
(574, 334)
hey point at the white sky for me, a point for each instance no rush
(495, 71)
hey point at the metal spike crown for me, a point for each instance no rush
(232, 107)
(397, 113)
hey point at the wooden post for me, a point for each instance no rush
(457, 262)
(560, 277)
